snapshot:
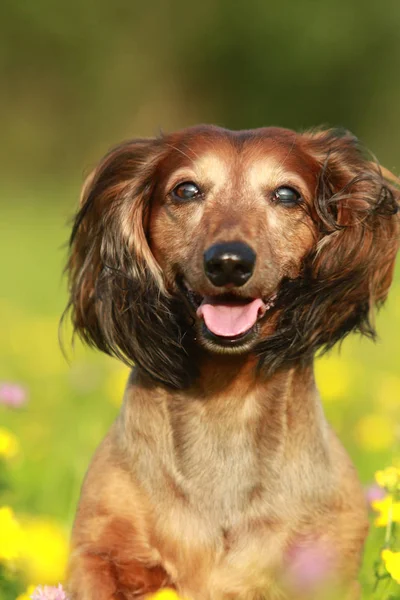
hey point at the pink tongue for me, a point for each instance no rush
(229, 320)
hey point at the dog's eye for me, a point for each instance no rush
(287, 196)
(185, 191)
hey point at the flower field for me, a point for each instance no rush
(54, 412)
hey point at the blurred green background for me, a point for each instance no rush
(80, 76)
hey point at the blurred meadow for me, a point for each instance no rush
(78, 77)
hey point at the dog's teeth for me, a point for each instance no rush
(269, 304)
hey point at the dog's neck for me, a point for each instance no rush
(231, 435)
(230, 385)
(233, 396)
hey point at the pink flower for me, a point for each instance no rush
(309, 565)
(12, 394)
(373, 493)
(49, 593)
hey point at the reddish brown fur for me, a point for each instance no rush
(219, 465)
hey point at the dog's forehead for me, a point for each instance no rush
(220, 154)
(204, 139)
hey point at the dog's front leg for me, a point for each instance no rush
(98, 577)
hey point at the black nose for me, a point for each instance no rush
(229, 263)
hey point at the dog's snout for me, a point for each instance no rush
(229, 263)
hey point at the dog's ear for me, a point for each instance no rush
(350, 269)
(117, 296)
(117, 193)
(357, 205)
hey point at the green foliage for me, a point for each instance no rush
(81, 76)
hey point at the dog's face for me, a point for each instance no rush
(263, 241)
(230, 219)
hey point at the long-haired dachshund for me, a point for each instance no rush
(217, 263)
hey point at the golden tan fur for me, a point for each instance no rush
(236, 478)
(210, 486)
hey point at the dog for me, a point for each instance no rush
(217, 263)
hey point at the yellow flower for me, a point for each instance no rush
(389, 478)
(333, 378)
(44, 552)
(392, 563)
(11, 535)
(389, 511)
(375, 432)
(9, 445)
(27, 595)
(165, 594)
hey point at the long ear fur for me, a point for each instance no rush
(351, 267)
(117, 296)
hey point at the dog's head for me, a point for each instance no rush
(263, 241)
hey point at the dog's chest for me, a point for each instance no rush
(219, 511)
(218, 461)
(219, 474)
(218, 503)
(214, 486)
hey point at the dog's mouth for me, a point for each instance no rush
(230, 318)
(227, 319)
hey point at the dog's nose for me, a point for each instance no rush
(229, 263)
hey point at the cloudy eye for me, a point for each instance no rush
(185, 191)
(287, 196)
